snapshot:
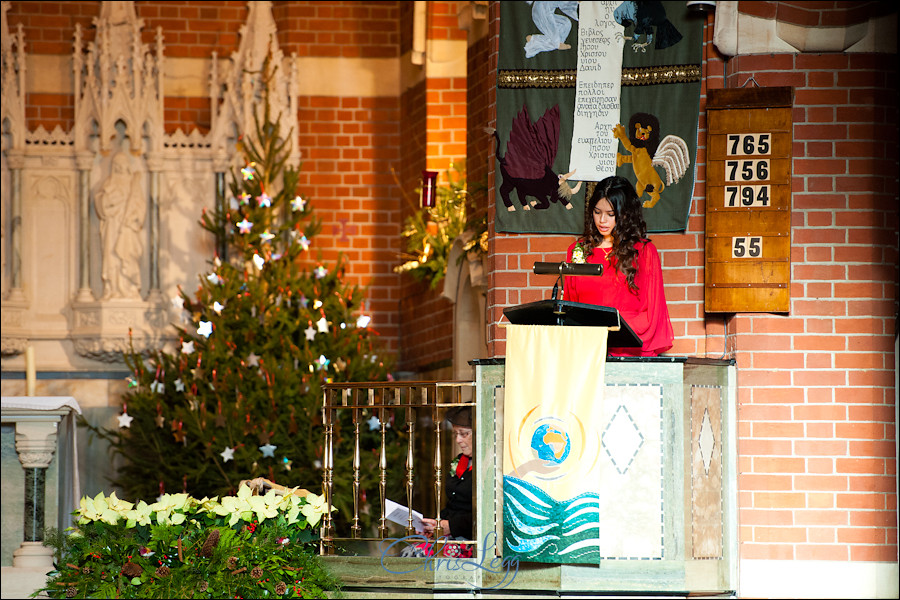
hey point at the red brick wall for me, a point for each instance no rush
(817, 430)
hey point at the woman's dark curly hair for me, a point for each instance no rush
(630, 226)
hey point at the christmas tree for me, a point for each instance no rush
(240, 397)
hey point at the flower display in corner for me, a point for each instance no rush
(244, 545)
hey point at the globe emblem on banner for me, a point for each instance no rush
(551, 443)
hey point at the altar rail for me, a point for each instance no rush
(375, 405)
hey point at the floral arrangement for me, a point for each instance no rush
(430, 232)
(242, 546)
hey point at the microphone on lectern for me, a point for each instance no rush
(567, 268)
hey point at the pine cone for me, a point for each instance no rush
(132, 570)
(256, 573)
(231, 562)
(162, 571)
(203, 586)
(210, 544)
(280, 588)
(70, 592)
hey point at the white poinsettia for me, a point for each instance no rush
(314, 508)
(97, 509)
(169, 508)
(139, 515)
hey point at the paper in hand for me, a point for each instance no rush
(397, 513)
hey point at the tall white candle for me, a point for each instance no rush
(30, 376)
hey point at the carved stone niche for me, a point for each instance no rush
(103, 330)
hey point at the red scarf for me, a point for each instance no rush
(463, 465)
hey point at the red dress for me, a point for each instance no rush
(645, 310)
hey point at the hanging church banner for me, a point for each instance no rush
(552, 445)
(535, 106)
(660, 108)
(561, 122)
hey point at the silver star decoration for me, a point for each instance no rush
(218, 307)
(125, 420)
(187, 347)
(310, 333)
(179, 385)
(253, 360)
(227, 454)
(373, 423)
(268, 450)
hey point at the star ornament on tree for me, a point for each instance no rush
(187, 347)
(249, 172)
(321, 272)
(245, 226)
(125, 420)
(268, 451)
(322, 325)
(205, 329)
(298, 203)
(310, 333)
(264, 200)
(227, 454)
(214, 278)
(266, 236)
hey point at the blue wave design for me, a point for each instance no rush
(539, 528)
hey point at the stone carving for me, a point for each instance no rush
(141, 218)
(122, 207)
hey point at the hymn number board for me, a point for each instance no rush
(748, 200)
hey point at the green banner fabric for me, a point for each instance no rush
(535, 107)
(537, 74)
(660, 108)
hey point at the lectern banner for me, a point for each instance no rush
(552, 446)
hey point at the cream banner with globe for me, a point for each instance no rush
(552, 446)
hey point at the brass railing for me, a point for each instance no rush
(380, 400)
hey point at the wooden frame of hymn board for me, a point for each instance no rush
(748, 200)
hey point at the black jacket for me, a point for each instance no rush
(458, 510)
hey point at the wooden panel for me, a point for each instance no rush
(745, 299)
(748, 191)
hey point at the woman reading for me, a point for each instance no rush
(615, 236)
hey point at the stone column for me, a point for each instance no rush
(84, 161)
(35, 443)
(154, 166)
(16, 162)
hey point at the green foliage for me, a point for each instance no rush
(191, 551)
(431, 231)
(240, 396)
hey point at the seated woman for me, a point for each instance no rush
(456, 516)
(615, 236)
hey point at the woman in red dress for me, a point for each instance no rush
(615, 236)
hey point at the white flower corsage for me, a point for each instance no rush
(578, 254)
(453, 465)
